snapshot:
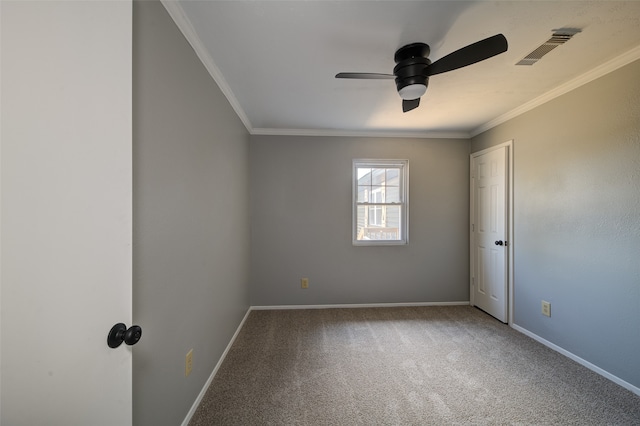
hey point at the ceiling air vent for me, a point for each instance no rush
(558, 37)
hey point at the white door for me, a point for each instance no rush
(66, 223)
(489, 232)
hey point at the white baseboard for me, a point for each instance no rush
(357, 305)
(579, 360)
(195, 405)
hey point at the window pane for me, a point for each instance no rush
(378, 223)
(393, 177)
(376, 216)
(392, 217)
(363, 194)
(360, 220)
(392, 194)
(364, 176)
(377, 176)
(377, 194)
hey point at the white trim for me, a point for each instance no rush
(510, 235)
(472, 231)
(198, 400)
(579, 360)
(492, 148)
(361, 133)
(358, 305)
(599, 71)
(184, 24)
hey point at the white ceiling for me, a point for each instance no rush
(276, 60)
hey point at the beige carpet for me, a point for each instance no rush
(402, 366)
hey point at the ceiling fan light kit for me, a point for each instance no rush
(413, 68)
(412, 91)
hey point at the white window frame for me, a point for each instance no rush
(403, 166)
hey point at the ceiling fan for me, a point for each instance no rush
(413, 69)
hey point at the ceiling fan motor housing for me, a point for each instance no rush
(411, 63)
(412, 73)
(413, 50)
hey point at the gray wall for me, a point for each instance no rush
(191, 202)
(301, 223)
(577, 220)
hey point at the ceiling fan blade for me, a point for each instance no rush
(408, 105)
(365, 75)
(476, 52)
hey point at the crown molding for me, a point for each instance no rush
(184, 24)
(358, 133)
(599, 71)
(176, 12)
(179, 17)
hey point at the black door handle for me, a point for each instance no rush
(499, 243)
(119, 333)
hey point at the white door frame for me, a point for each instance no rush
(509, 237)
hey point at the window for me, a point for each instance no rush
(380, 202)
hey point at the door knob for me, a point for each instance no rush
(119, 333)
(499, 243)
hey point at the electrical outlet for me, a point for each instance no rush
(546, 308)
(188, 363)
(304, 282)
